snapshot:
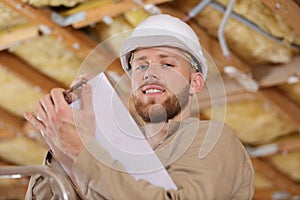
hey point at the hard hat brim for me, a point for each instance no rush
(132, 43)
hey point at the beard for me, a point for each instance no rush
(155, 113)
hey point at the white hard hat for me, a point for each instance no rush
(164, 30)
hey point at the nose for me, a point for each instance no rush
(151, 73)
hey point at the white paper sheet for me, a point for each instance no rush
(119, 134)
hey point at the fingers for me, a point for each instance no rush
(40, 112)
(47, 104)
(34, 121)
(59, 101)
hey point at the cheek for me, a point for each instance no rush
(135, 82)
(177, 81)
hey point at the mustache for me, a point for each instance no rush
(152, 82)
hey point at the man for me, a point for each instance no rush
(164, 60)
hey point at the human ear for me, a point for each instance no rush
(197, 83)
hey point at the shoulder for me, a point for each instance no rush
(215, 136)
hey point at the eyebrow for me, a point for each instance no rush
(160, 56)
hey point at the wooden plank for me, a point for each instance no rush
(87, 5)
(265, 194)
(98, 54)
(288, 10)
(297, 2)
(111, 9)
(274, 148)
(73, 39)
(10, 122)
(271, 75)
(284, 105)
(12, 36)
(42, 18)
(19, 67)
(280, 181)
(289, 145)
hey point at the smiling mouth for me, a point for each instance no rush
(152, 91)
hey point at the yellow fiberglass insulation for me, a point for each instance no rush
(40, 3)
(247, 43)
(48, 55)
(255, 121)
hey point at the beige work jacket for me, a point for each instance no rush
(204, 159)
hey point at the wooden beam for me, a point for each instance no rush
(97, 14)
(288, 10)
(264, 194)
(284, 105)
(19, 67)
(271, 75)
(12, 36)
(297, 2)
(42, 18)
(289, 145)
(73, 39)
(10, 122)
(285, 146)
(279, 180)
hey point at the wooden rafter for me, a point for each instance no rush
(268, 75)
(12, 36)
(73, 39)
(42, 18)
(284, 105)
(10, 121)
(290, 145)
(113, 9)
(288, 10)
(280, 181)
(19, 67)
(264, 194)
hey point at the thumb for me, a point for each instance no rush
(86, 98)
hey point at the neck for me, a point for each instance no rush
(155, 132)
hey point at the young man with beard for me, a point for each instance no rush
(167, 68)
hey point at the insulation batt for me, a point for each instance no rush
(245, 42)
(40, 3)
(9, 18)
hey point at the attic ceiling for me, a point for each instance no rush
(44, 42)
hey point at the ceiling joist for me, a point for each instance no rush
(268, 75)
(97, 14)
(42, 18)
(288, 10)
(280, 181)
(284, 105)
(11, 37)
(19, 67)
(10, 122)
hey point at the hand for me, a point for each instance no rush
(64, 129)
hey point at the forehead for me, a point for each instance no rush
(162, 52)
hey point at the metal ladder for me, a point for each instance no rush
(64, 192)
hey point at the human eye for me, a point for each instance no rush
(141, 67)
(168, 65)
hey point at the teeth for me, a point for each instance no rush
(150, 91)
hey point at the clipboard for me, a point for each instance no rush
(118, 133)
